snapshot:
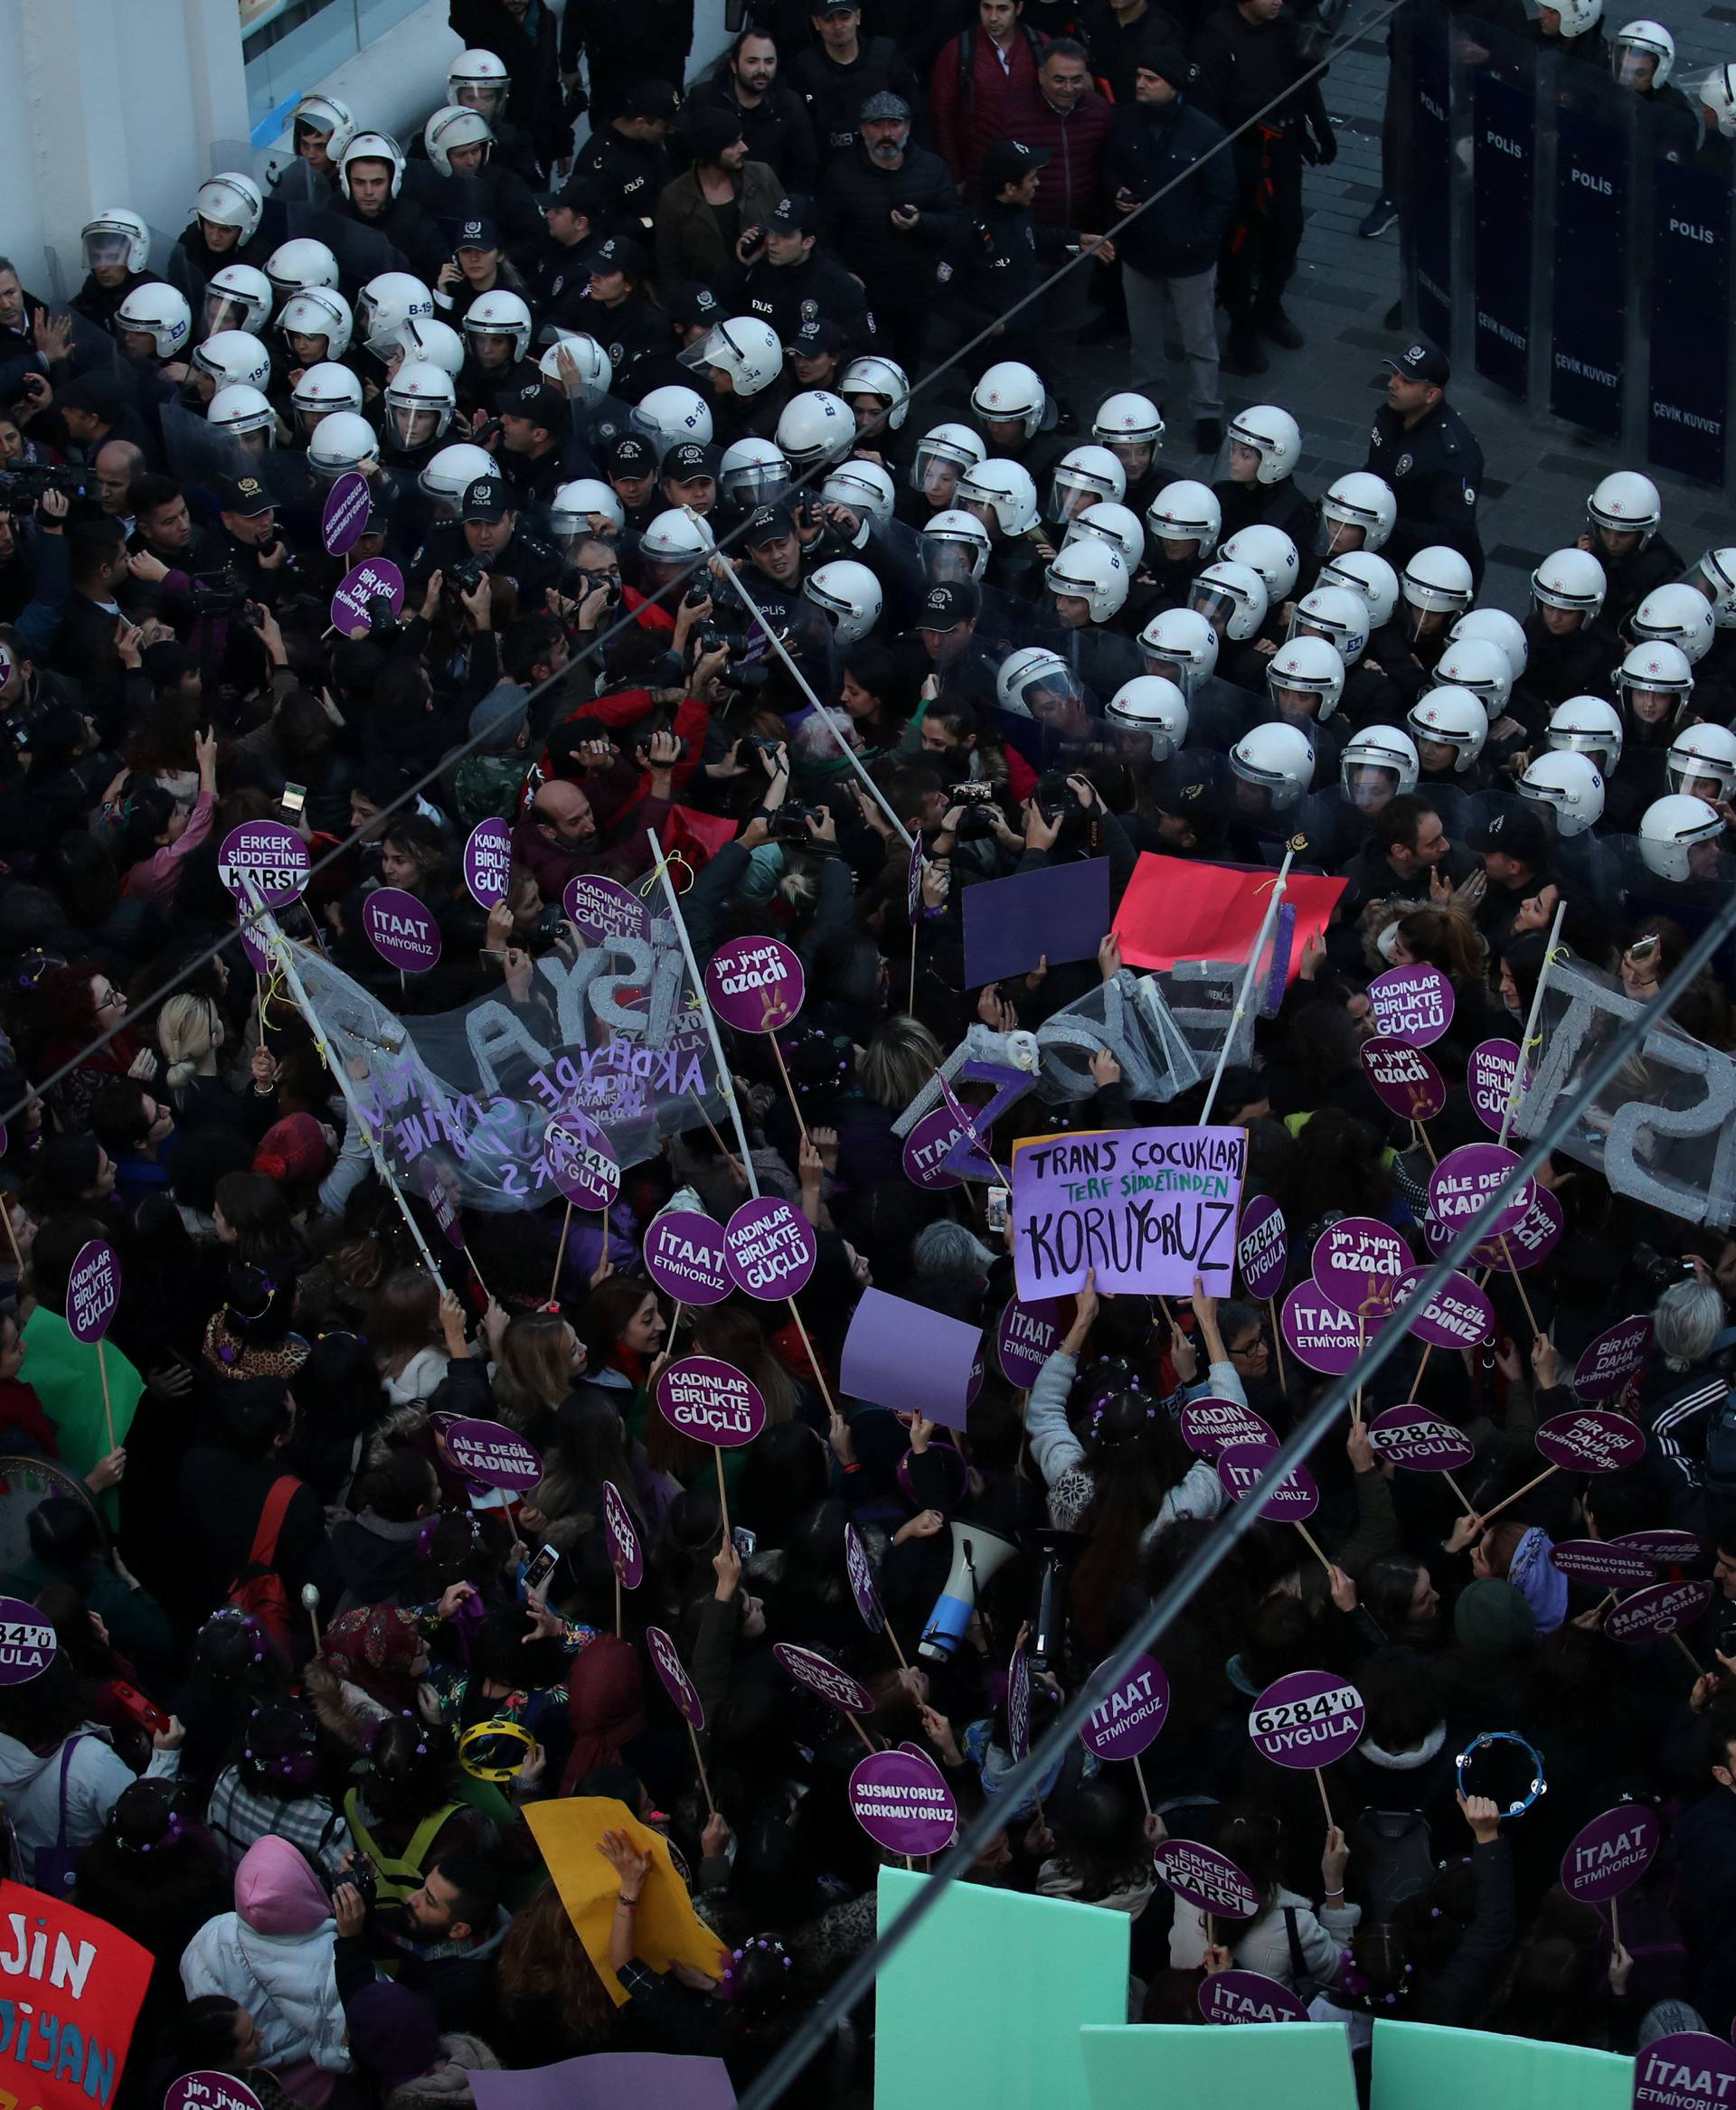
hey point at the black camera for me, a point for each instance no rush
(1660, 1271)
(548, 930)
(20, 726)
(215, 593)
(466, 578)
(1057, 801)
(789, 822)
(27, 485)
(760, 743)
(975, 824)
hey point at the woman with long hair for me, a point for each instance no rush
(539, 1359)
(74, 1004)
(551, 2003)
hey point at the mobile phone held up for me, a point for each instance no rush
(543, 1563)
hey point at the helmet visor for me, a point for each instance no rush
(1051, 695)
(1071, 492)
(946, 559)
(225, 311)
(935, 473)
(754, 484)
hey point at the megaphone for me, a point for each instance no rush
(1060, 1551)
(977, 1555)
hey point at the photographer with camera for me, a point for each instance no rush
(486, 538)
(35, 575)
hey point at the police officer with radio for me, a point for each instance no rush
(1430, 459)
(790, 281)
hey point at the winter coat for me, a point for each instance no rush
(96, 1777)
(1149, 147)
(690, 241)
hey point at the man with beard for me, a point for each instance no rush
(773, 118)
(893, 209)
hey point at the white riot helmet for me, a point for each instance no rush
(499, 313)
(752, 473)
(115, 234)
(1718, 99)
(1232, 597)
(1626, 502)
(1378, 747)
(230, 200)
(322, 392)
(1674, 615)
(1571, 786)
(1580, 15)
(341, 443)
(385, 303)
(1036, 683)
(1011, 391)
(1358, 500)
(1273, 435)
(1715, 577)
(1270, 551)
(1570, 578)
(322, 311)
(955, 545)
(1085, 476)
(1474, 664)
(1364, 573)
(1436, 578)
(373, 147)
(452, 127)
(1186, 512)
(237, 299)
(669, 415)
(239, 409)
(1155, 707)
(1636, 41)
(1586, 725)
(1118, 525)
(1700, 755)
(575, 508)
(420, 403)
(450, 474)
(1452, 718)
(1655, 669)
(1668, 830)
(849, 594)
(871, 376)
(596, 369)
(1001, 493)
(1127, 421)
(1094, 573)
(864, 487)
(478, 80)
(158, 312)
(423, 337)
(745, 348)
(673, 544)
(331, 119)
(1181, 647)
(1496, 626)
(942, 453)
(1279, 758)
(1337, 614)
(293, 266)
(814, 427)
(232, 356)
(1306, 666)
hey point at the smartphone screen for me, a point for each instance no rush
(295, 798)
(540, 1567)
(997, 1200)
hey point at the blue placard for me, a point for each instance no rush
(1503, 129)
(1431, 158)
(1687, 403)
(1588, 321)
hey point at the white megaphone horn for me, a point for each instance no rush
(977, 1556)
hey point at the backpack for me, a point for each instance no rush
(258, 1590)
(1395, 1854)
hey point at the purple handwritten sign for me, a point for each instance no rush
(1210, 1426)
(1028, 1335)
(862, 1586)
(1611, 1854)
(493, 1455)
(1320, 1332)
(1242, 1467)
(1586, 1441)
(902, 1803)
(93, 1290)
(837, 1688)
(1262, 1248)
(1613, 1358)
(927, 1148)
(712, 1401)
(1356, 1261)
(401, 930)
(581, 1162)
(439, 1191)
(1307, 1718)
(375, 579)
(345, 513)
(1421, 1442)
(625, 1556)
(666, 1659)
(1474, 1185)
(1655, 1614)
(1018, 1705)
(685, 1257)
(1665, 1546)
(1490, 1077)
(1209, 1881)
(769, 1247)
(1455, 1315)
(1130, 1712)
(488, 863)
(1603, 1563)
(1405, 1081)
(27, 1641)
(600, 909)
(1248, 1996)
(1687, 2070)
(755, 985)
(1412, 1003)
(210, 2091)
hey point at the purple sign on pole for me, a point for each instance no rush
(488, 863)
(1356, 1261)
(1667, 1546)
(1248, 1996)
(93, 1290)
(712, 1401)
(377, 578)
(1687, 2070)
(927, 1148)
(685, 1257)
(1262, 1248)
(401, 930)
(1028, 1335)
(1603, 1562)
(27, 1641)
(1243, 1467)
(345, 513)
(837, 1688)
(440, 1194)
(1209, 1881)
(1018, 1707)
(666, 1662)
(1529, 1243)
(208, 2090)
(1612, 1358)
(1410, 1003)
(599, 909)
(1611, 1854)
(1210, 1426)
(755, 985)
(1320, 1332)
(1307, 1718)
(1405, 1081)
(624, 1555)
(1474, 1185)
(580, 1162)
(495, 1456)
(274, 857)
(1655, 1614)
(1586, 1441)
(862, 1586)
(1489, 1079)
(1455, 1315)
(1130, 1713)
(1420, 1441)
(903, 1803)
(902, 1355)
(770, 1250)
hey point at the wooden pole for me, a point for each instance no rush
(1489, 1515)
(723, 1499)
(790, 1089)
(693, 1736)
(1312, 1547)
(855, 1723)
(1140, 1774)
(107, 1404)
(1687, 1652)
(1277, 1344)
(12, 1236)
(1460, 1492)
(617, 1607)
(819, 1375)
(912, 1003)
(1416, 1383)
(561, 1254)
(1320, 1782)
(1506, 1254)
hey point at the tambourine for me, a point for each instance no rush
(1511, 1776)
(485, 1749)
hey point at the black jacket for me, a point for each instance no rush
(835, 94)
(896, 265)
(789, 295)
(525, 45)
(1149, 148)
(1435, 469)
(778, 128)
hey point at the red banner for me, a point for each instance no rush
(1178, 909)
(71, 1988)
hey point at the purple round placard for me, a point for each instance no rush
(1028, 1335)
(580, 1162)
(837, 1688)
(344, 514)
(862, 1586)
(488, 863)
(1419, 1440)
(93, 1290)
(1489, 1077)
(1586, 1441)
(1356, 1261)
(1611, 1854)
(1474, 1185)
(375, 579)
(1528, 1244)
(1655, 1614)
(1665, 1546)
(1130, 1713)
(712, 1401)
(438, 1190)
(1307, 1718)
(1209, 1881)
(625, 1556)
(755, 985)
(401, 930)
(270, 853)
(1687, 2070)
(769, 1247)
(666, 1659)
(902, 1803)
(1456, 1316)
(685, 1257)
(1612, 1358)
(1405, 1081)
(1242, 1467)
(1604, 1563)
(927, 1148)
(1320, 1332)
(1248, 1996)
(1412, 1003)
(494, 1454)
(1262, 1248)
(599, 909)
(27, 1642)
(1210, 1426)
(209, 2090)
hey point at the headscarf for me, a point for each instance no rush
(373, 1648)
(605, 1705)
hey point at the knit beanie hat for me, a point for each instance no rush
(292, 1150)
(1491, 1615)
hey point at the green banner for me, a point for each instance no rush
(1420, 2067)
(1289, 2065)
